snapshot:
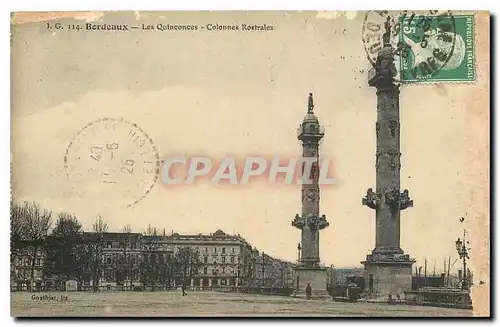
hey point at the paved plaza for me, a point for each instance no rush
(172, 304)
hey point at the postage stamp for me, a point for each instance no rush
(439, 49)
(115, 158)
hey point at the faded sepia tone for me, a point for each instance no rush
(241, 94)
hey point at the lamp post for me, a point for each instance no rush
(298, 253)
(464, 255)
(263, 268)
(282, 274)
(332, 279)
(252, 271)
(237, 277)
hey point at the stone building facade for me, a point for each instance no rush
(223, 261)
(20, 270)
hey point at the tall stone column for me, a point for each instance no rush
(310, 222)
(387, 270)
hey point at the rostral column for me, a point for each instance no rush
(388, 271)
(310, 222)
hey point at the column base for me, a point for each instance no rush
(314, 276)
(387, 275)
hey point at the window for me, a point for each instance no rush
(223, 270)
(38, 261)
(215, 260)
(108, 259)
(232, 259)
(205, 259)
(205, 270)
(133, 259)
(108, 245)
(108, 274)
(232, 250)
(206, 249)
(215, 250)
(223, 259)
(223, 250)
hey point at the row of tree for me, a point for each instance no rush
(67, 252)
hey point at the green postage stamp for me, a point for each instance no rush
(437, 48)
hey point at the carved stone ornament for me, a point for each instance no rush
(392, 199)
(317, 223)
(405, 201)
(397, 200)
(377, 128)
(386, 68)
(298, 222)
(310, 195)
(371, 200)
(395, 257)
(387, 33)
(314, 151)
(394, 127)
(394, 159)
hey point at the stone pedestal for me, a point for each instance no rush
(387, 274)
(316, 277)
(71, 285)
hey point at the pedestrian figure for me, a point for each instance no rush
(183, 288)
(308, 291)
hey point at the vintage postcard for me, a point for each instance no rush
(250, 163)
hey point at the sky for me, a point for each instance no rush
(244, 93)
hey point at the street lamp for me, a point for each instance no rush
(237, 276)
(464, 255)
(332, 279)
(298, 253)
(263, 268)
(282, 282)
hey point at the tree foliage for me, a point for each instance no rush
(187, 262)
(64, 254)
(29, 230)
(94, 245)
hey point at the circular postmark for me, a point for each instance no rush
(113, 160)
(423, 43)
